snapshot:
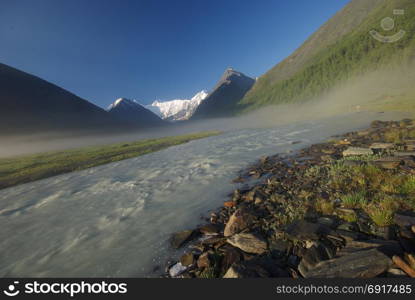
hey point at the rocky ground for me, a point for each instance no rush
(344, 208)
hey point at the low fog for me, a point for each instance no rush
(362, 94)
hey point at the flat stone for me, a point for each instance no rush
(240, 220)
(403, 220)
(361, 264)
(303, 230)
(386, 247)
(403, 154)
(180, 238)
(382, 146)
(249, 243)
(387, 164)
(246, 270)
(356, 151)
(187, 259)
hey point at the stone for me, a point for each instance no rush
(404, 220)
(361, 264)
(187, 259)
(249, 243)
(404, 154)
(386, 247)
(356, 151)
(180, 238)
(240, 220)
(303, 230)
(382, 146)
(329, 222)
(245, 270)
(388, 164)
(229, 204)
(413, 228)
(230, 256)
(204, 260)
(209, 229)
(312, 257)
(395, 273)
(177, 269)
(279, 248)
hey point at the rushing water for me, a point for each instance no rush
(115, 220)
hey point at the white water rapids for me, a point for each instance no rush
(115, 220)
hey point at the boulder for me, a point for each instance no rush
(303, 230)
(361, 264)
(240, 220)
(187, 259)
(180, 238)
(356, 151)
(246, 270)
(249, 242)
(403, 220)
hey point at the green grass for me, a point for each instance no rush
(354, 54)
(22, 169)
(354, 200)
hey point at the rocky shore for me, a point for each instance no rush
(344, 209)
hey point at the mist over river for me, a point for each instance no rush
(115, 220)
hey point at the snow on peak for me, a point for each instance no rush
(123, 101)
(179, 109)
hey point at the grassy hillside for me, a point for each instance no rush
(22, 169)
(335, 60)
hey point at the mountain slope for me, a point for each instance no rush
(177, 110)
(133, 112)
(30, 104)
(227, 93)
(340, 49)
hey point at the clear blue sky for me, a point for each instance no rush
(146, 50)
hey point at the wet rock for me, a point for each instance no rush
(209, 229)
(303, 230)
(180, 238)
(239, 221)
(249, 242)
(245, 270)
(177, 269)
(404, 220)
(187, 259)
(356, 151)
(361, 264)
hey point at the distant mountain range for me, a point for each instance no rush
(221, 102)
(133, 112)
(179, 109)
(30, 104)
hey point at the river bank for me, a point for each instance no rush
(343, 208)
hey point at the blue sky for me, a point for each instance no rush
(146, 50)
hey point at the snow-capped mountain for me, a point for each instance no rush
(179, 109)
(133, 112)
